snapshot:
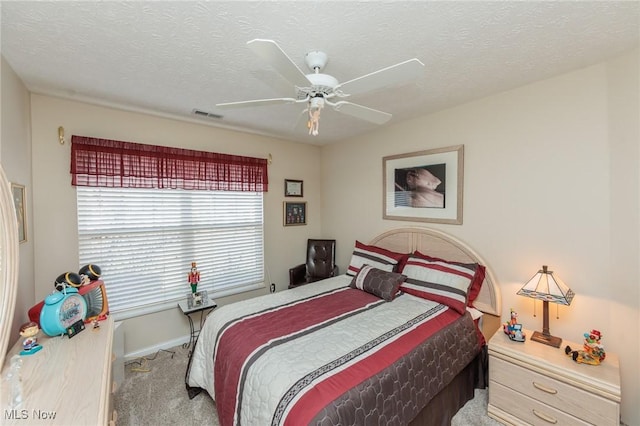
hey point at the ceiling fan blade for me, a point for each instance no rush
(278, 59)
(362, 112)
(395, 74)
(256, 103)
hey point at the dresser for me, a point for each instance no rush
(68, 382)
(533, 383)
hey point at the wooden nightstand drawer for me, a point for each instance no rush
(565, 397)
(528, 410)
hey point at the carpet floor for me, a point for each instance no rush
(153, 393)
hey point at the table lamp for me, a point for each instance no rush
(546, 286)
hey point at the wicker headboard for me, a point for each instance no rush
(439, 244)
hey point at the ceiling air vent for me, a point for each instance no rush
(207, 114)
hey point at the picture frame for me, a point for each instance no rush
(293, 188)
(425, 186)
(295, 213)
(18, 193)
(198, 298)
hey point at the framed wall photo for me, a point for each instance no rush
(19, 202)
(293, 188)
(295, 213)
(424, 186)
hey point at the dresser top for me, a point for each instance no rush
(64, 380)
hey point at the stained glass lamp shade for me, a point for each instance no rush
(546, 286)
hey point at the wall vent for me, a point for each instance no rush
(207, 114)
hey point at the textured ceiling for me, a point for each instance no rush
(173, 57)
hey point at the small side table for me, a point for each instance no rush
(187, 309)
(532, 383)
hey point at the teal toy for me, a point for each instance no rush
(61, 310)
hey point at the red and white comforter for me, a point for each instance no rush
(328, 353)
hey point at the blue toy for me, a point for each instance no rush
(513, 329)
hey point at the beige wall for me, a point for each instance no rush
(624, 282)
(551, 177)
(55, 222)
(15, 155)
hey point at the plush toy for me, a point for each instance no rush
(592, 352)
(513, 329)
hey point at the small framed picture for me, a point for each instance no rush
(198, 298)
(295, 213)
(292, 188)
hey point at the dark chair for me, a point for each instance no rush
(321, 263)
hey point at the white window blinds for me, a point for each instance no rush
(144, 240)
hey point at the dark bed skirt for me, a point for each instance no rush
(452, 398)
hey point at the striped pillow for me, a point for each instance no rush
(439, 281)
(371, 255)
(479, 273)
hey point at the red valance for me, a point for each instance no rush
(117, 164)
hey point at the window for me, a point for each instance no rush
(145, 212)
(144, 240)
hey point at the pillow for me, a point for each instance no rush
(478, 277)
(374, 256)
(383, 284)
(439, 281)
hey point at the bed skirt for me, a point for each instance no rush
(455, 395)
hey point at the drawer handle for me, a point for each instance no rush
(544, 388)
(545, 417)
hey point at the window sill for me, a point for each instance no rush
(150, 309)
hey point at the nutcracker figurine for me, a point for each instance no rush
(194, 277)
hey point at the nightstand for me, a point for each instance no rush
(533, 383)
(189, 309)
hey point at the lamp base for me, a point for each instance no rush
(547, 339)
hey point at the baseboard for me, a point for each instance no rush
(155, 348)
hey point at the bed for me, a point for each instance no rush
(372, 346)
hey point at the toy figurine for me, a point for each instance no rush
(513, 329)
(592, 352)
(194, 278)
(30, 345)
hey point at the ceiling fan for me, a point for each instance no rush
(317, 89)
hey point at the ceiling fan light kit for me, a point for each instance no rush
(317, 89)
